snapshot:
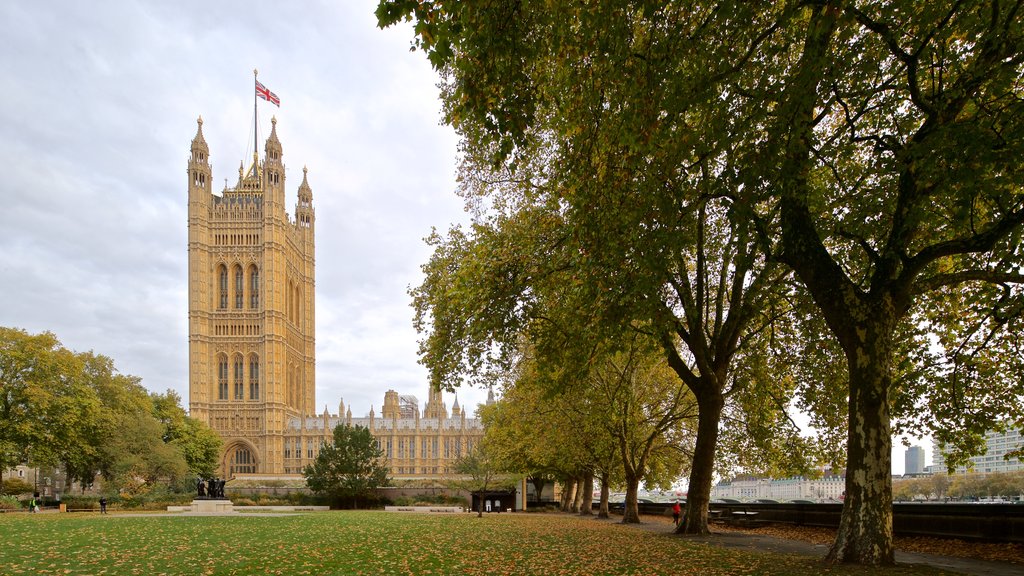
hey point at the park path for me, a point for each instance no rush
(762, 543)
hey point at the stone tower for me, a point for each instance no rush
(251, 307)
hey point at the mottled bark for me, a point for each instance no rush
(587, 495)
(865, 528)
(702, 471)
(863, 321)
(631, 513)
(577, 498)
(602, 510)
(568, 494)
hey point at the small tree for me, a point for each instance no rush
(479, 472)
(350, 467)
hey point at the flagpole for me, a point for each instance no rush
(255, 134)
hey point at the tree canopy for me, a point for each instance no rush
(62, 408)
(349, 467)
(872, 148)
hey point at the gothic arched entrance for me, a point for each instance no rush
(241, 459)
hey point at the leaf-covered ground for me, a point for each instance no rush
(369, 543)
(996, 552)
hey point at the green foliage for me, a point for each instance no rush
(199, 444)
(686, 147)
(9, 503)
(349, 468)
(76, 411)
(1007, 485)
(15, 486)
(603, 206)
(45, 403)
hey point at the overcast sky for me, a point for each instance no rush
(99, 107)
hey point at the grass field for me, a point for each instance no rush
(369, 543)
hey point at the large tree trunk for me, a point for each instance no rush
(865, 528)
(710, 405)
(538, 487)
(587, 495)
(602, 510)
(577, 498)
(631, 513)
(568, 494)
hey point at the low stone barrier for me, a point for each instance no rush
(226, 507)
(426, 509)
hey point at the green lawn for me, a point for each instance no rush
(367, 543)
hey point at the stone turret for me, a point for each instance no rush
(390, 410)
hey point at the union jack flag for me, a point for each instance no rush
(267, 95)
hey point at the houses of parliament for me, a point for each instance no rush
(252, 369)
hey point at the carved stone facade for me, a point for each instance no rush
(416, 446)
(252, 334)
(251, 307)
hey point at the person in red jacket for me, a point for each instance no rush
(676, 510)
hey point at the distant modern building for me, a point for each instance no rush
(913, 460)
(829, 487)
(252, 334)
(997, 445)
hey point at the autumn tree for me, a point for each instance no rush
(479, 472)
(884, 138)
(45, 404)
(909, 132)
(637, 214)
(649, 414)
(628, 417)
(527, 431)
(198, 443)
(349, 467)
(74, 410)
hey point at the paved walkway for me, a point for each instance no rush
(760, 543)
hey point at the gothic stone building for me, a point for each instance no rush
(252, 333)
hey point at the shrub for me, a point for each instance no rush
(81, 502)
(15, 486)
(8, 502)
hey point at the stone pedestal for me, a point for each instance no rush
(213, 506)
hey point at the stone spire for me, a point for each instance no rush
(199, 143)
(304, 213)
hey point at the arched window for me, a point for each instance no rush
(239, 287)
(239, 382)
(254, 377)
(298, 305)
(222, 377)
(288, 303)
(242, 462)
(222, 273)
(254, 287)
